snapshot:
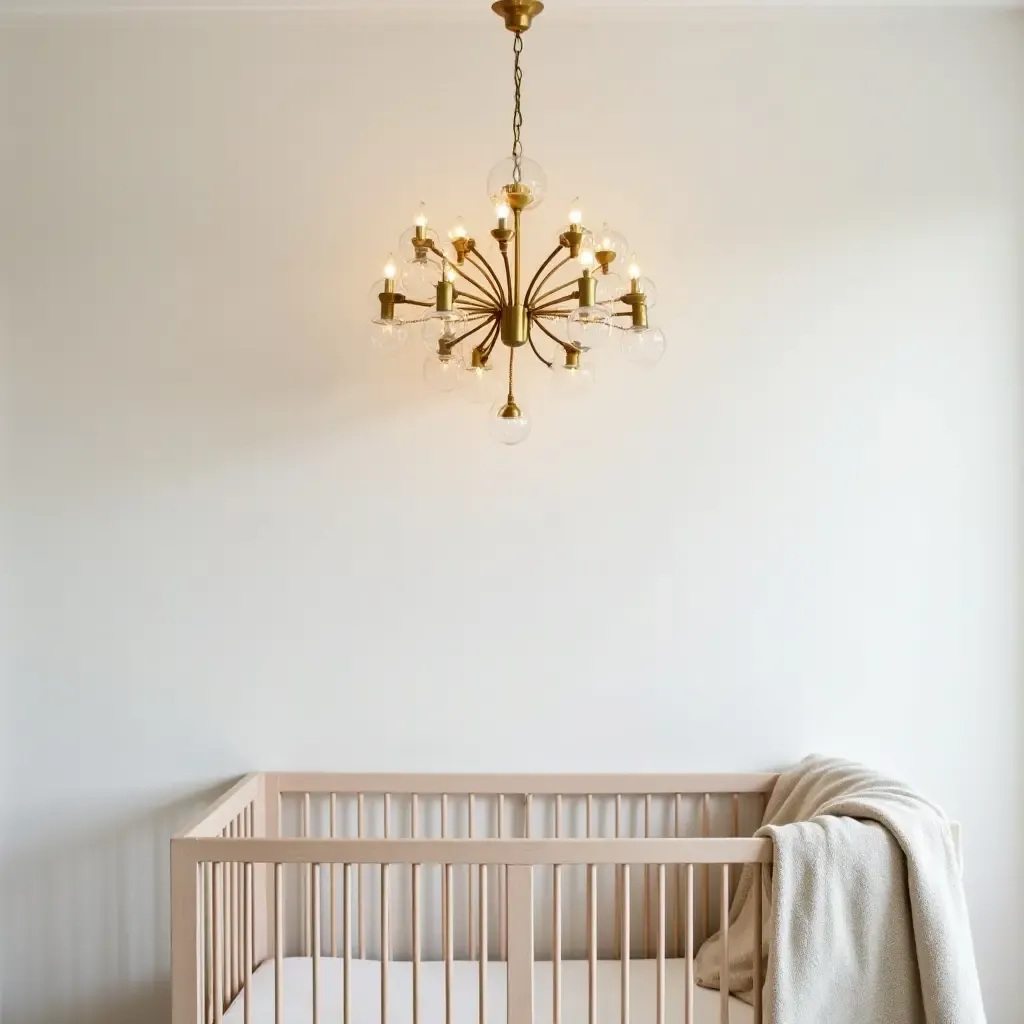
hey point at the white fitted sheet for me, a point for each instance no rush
(298, 993)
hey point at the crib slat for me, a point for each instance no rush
(591, 875)
(723, 983)
(334, 879)
(502, 887)
(647, 880)
(444, 881)
(705, 896)
(416, 951)
(758, 941)
(483, 945)
(201, 943)
(314, 939)
(556, 925)
(386, 951)
(360, 830)
(208, 916)
(346, 942)
(229, 922)
(618, 877)
(592, 942)
(385, 942)
(469, 890)
(624, 958)
(278, 943)
(237, 898)
(660, 996)
(448, 920)
(679, 880)
(218, 944)
(688, 1016)
(307, 879)
(247, 945)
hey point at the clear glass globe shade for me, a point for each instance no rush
(388, 337)
(443, 372)
(479, 384)
(609, 287)
(508, 425)
(607, 239)
(648, 287)
(572, 382)
(406, 250)
(418, 279)
(438, 326)
(532, 176)
(643, 346)
(589, 327)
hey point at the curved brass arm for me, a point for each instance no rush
(555, 314)
(412, 302)
(483, 323)
(472, 280)
(508, 274)
(554, 302)
(540, 270)
(558, 341)
(482, 262)
(557, 288)
(489, 342)
(547, 277)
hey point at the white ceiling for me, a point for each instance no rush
(555, 8)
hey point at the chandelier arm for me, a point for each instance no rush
(476, 284)
(508, 273)
(540, 270)
(487, 344)
(473, 330)
(412, 302)
(482, 262)
(472, 303)
(547, 277)
(554, 302)
(555, 314)
(554, 338)
(547, 362)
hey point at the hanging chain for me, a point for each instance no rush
(511, 355)
(517, 117)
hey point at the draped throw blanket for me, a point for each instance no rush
(865, 920)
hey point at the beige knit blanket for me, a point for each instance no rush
(865, 920)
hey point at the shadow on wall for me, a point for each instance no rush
(86, 921)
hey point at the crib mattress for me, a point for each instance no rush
(297, 986)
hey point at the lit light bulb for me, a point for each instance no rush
(501, 211)
(390, 269)
(575, 214)
(634, 269)
(458, 229)
(586, 258)
(449, 274)
(421, 216)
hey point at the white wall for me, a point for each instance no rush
(240, 543)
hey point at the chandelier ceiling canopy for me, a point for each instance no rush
(465, 305)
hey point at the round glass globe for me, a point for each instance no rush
(388, 337)
(532, 176)
(478, 384)
(508, 423)
(589, 327)
(438, 327)
(648, 287)
(443, 371)
(406, 250)
(572, 381)
(418, 279)
(609, 287)
(607, 239)
(643, 346)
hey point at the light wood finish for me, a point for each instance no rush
(417, 951)
(185, 933)
(248, 931)
(448, 919)
(314, 924)
(469, 887)
(735, 814)
(624, 946)
(278, 943)
(660, 948)
(215, 818)
(705, 893)
(647, 880)
(679, 879)
(346, 942)
(360, 826)
(520, 944)
(483, 945)
(502, 888)
(218, 944)
(592, 943)
(511, 852)
(307, 881)
(334, 878)
(385, 942)
(445, 878)
(723, 982)
(758, 884)
(688, 1016)
(556, 924)
(271, 815)
(536, 784)
(618, 877)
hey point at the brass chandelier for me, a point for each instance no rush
(470, 306)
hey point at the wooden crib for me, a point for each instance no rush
(422, 899)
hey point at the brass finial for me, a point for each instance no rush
(517, 13)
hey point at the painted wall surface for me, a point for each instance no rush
(239, 541)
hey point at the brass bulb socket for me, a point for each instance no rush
(387, 305)
(445, 296)
(461, 247)
(501, 236)
(572, 358)
(588, 289)
(510, 411)
(518, 196)
(640, 313)
(605, 258)
(517, 14)
(514, 325)
(478, 360)
(572, 239)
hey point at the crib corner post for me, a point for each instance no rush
(184, 933)
(520, 944)
(266, 825)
